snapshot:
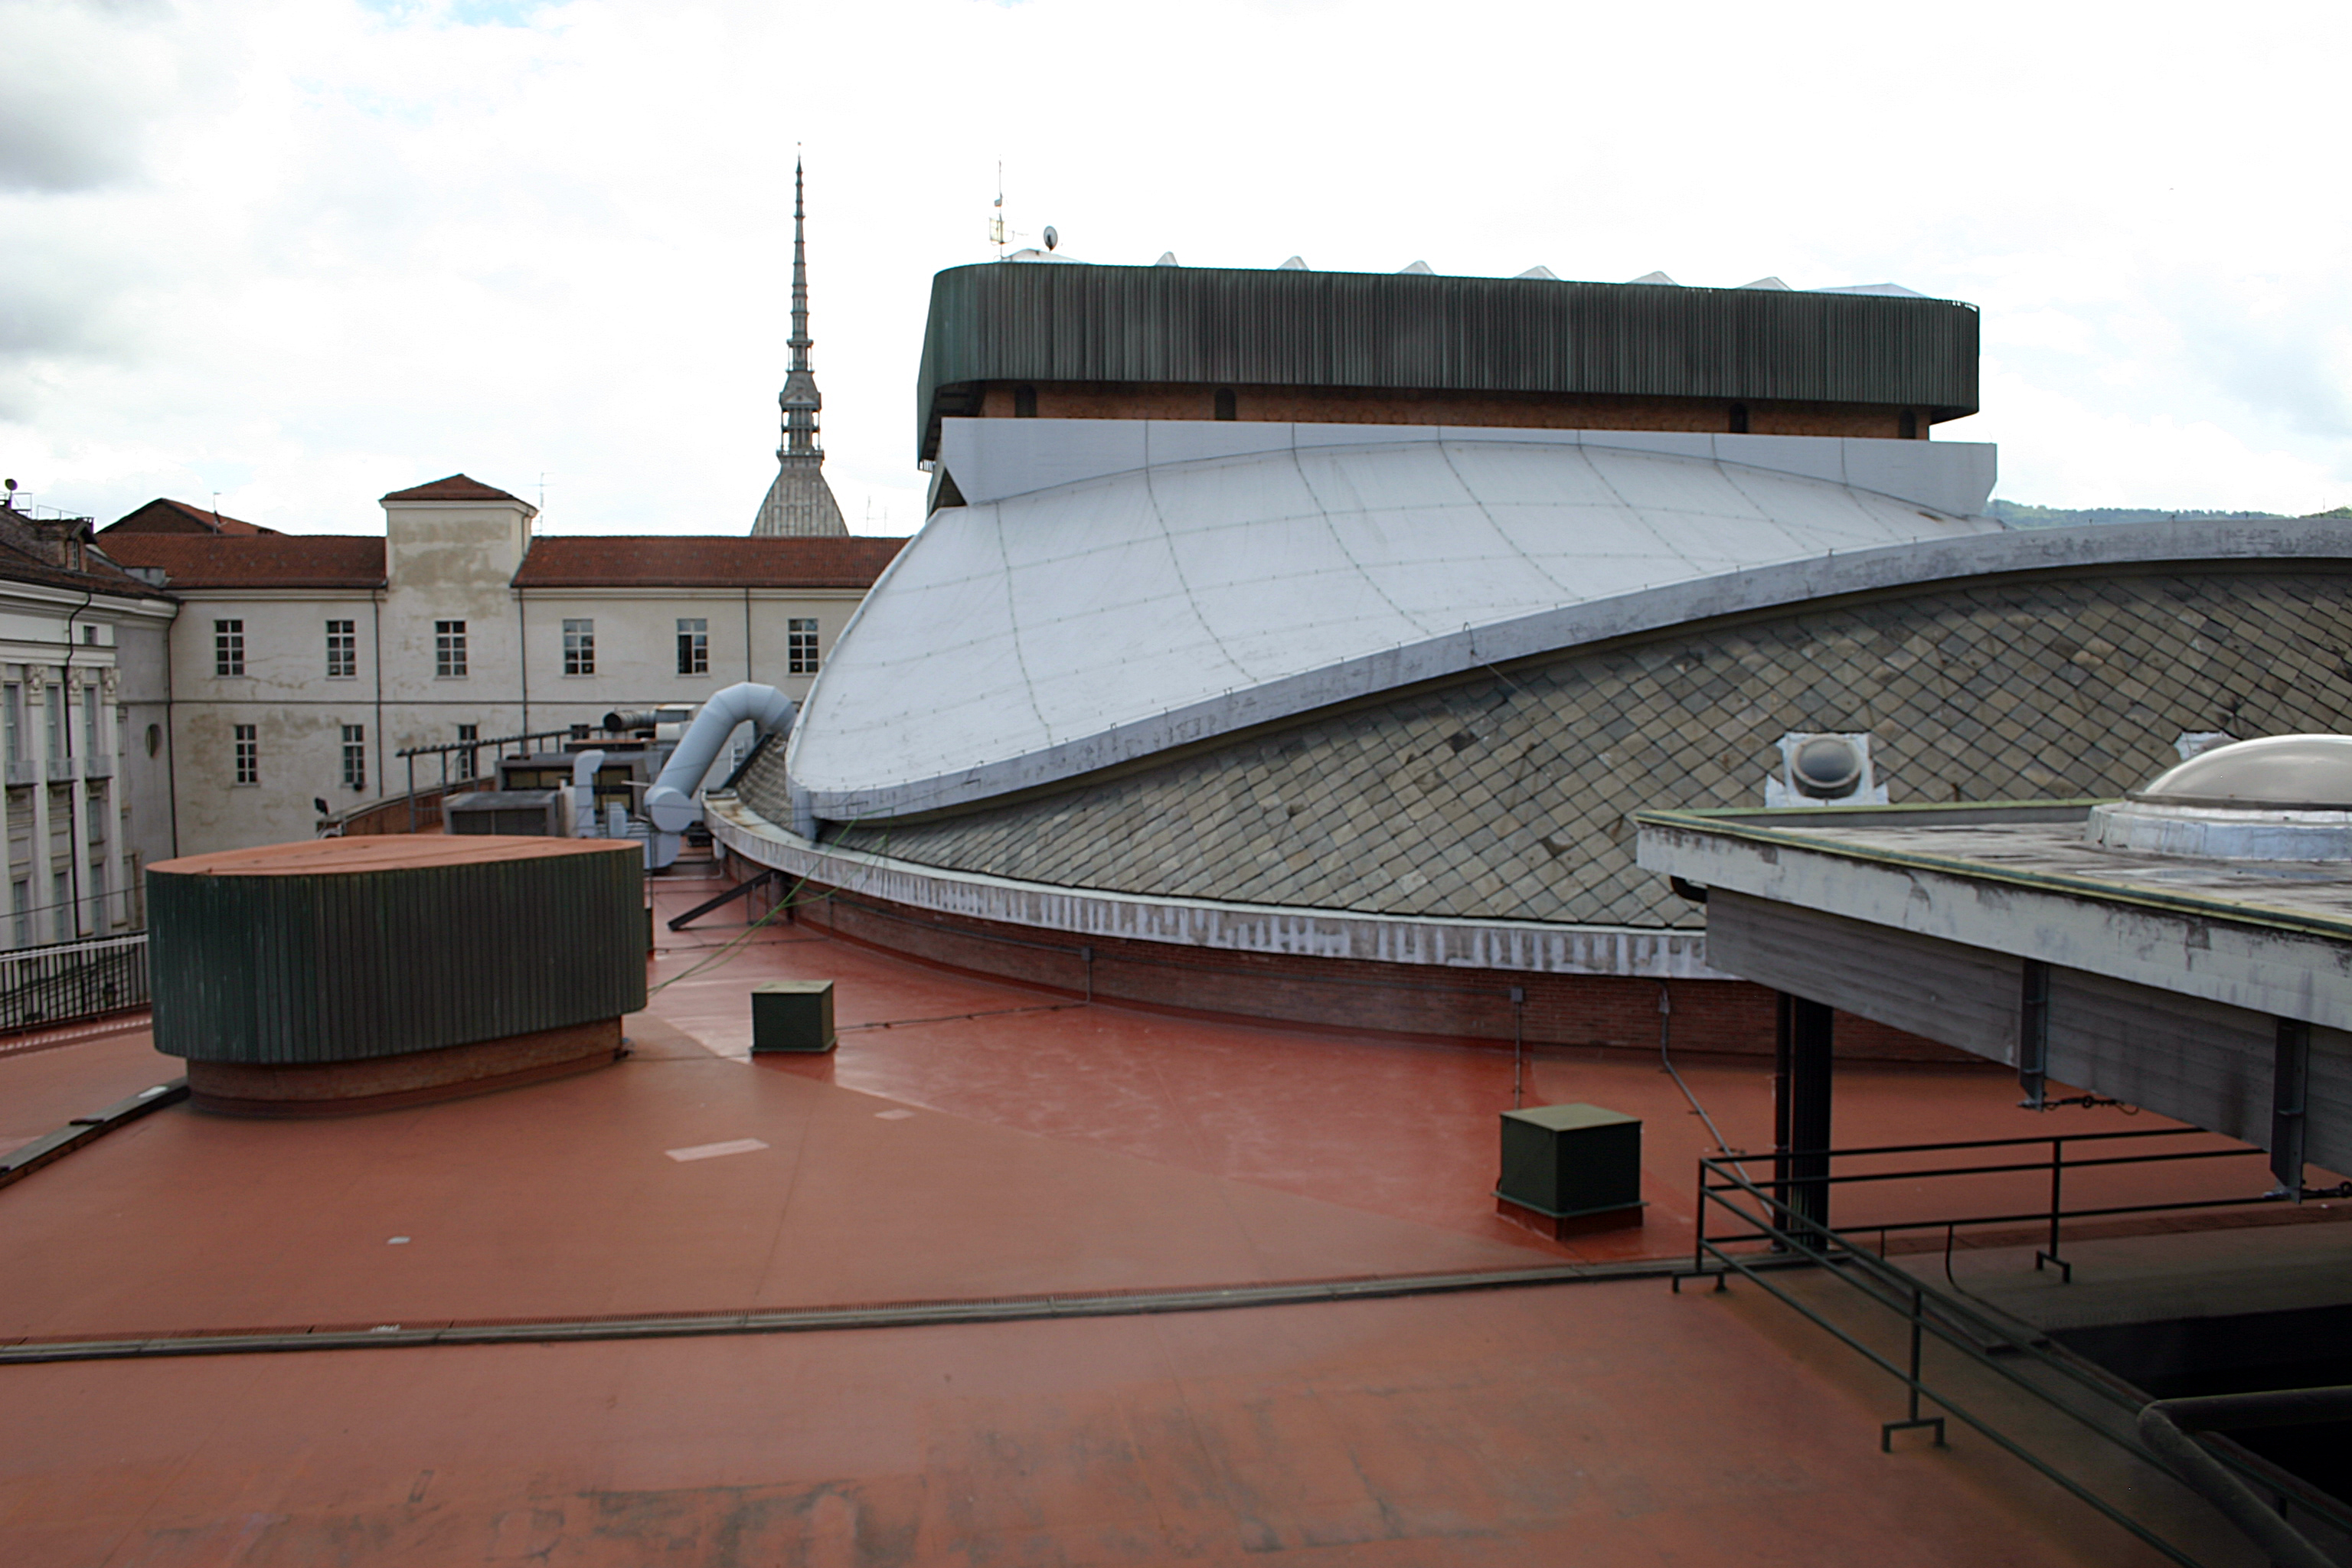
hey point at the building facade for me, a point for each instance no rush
(299, 665)
(83, 699)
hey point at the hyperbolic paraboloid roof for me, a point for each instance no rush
(1082, 625)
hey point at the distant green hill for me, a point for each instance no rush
(2017, 514)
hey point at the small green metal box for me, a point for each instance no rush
(792, 1015)
(1562, 1161)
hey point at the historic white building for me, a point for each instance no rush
(81, 728)
(301, 665)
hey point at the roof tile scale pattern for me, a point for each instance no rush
(1512, 798)
(799, 502)
(457, 487)
(164, 515)
(677, 560)
(265, 560)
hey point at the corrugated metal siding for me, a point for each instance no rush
(2179, 1056)
(346, 966)
(1940, 989)
(1018, 322)
(2202, 1062)
(2328, 1096)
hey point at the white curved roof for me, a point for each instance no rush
(1023, 625)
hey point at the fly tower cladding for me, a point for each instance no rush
(350, 974)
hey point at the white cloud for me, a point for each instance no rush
(305, 251)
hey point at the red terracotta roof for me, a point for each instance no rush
(456, 487)
(267, 560)
(164, 515)
(21, 564)
(702, 561)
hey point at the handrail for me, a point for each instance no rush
(59, 982)
(1990, 1341)
(337, 824)
(2057, 1165)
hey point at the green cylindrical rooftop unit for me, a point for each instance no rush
(353, 974)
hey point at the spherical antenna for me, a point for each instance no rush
(1052, 238)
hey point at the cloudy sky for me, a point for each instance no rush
(297, 253)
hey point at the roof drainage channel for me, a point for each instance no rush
(807, 1320)
(20, 1162)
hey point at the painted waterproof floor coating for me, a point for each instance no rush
(1601, 1424)
(974, 1140)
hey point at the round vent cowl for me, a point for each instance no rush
(1826, 767)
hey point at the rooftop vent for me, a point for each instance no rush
(2282, 797)
(1824, 770)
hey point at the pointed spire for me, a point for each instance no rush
(800, 501)
(800, 400)
(800, 339)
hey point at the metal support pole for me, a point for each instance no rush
(1887, 1429)
(2034, 1034)
(1519, 1044)
(1782, 1001)
(2057, 1204)
(1811, 1029)
(2290, 1089)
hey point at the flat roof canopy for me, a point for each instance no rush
(2179, 985)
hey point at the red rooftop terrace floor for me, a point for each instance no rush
(969, 1141)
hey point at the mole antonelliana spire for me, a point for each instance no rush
(800, 501)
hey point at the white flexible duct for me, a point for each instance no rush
(583, 794)
(670, 803)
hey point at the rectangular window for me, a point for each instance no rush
(90, 721)
(98, 898)
(694, 647)
(248, 753)
(354, 756)
(450, 649)
(466, 763)
(20, 901)
(800, 645)
(55, 734)
(343, 650)
(228, 648)
(579, 648)
(11, 706)
(61, 910)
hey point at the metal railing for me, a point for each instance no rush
(395, 812)
(70, 980)
(1768, 1231)
(1810, 1192)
